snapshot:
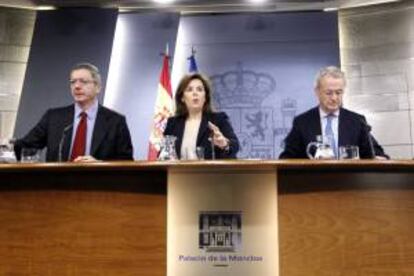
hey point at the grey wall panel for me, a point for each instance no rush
(377, 49)
(61, 39)
(16, 30)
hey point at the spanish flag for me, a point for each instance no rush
(163, 109)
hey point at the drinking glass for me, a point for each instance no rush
(348, 152)
(200, 153)
(30, 155)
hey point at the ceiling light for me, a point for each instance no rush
(45, 8)
(331, 9)
(164, 1)
(258, 1)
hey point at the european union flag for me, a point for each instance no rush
(193, 65)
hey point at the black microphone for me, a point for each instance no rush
(213, 153)
(367, 129)
(211, 138)
(62, 140)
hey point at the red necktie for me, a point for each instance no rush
(79, 144)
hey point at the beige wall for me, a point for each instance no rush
(16, 31)
(377, 53)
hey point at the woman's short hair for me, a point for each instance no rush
(180, 107)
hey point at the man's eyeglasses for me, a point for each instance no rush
(81, 81)
(337, 93)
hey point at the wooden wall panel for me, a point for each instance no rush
(110, 226)
(334, 223)
(335, 217)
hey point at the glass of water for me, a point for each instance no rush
(348, 152)
(30, 155)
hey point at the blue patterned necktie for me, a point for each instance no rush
(330, 134)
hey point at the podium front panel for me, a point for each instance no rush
(222, 222)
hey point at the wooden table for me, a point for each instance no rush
(335, 217)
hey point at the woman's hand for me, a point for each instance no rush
(218, 138)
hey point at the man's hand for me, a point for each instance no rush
(85, 159)
(377, 157)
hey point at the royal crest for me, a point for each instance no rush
(259, 125)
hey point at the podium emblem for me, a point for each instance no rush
(220, 231)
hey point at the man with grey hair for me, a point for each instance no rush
(84, 131)
(330, 119)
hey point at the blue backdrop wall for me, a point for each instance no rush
(262, 66)
(61, 39)
(135, 68)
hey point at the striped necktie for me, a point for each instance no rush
(330, 134)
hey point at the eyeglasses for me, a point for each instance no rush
(81, 81)
(337, 93)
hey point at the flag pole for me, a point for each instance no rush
(193, 65)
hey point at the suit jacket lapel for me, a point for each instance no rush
(344, 128)
(315, 125)
(99, 130)
(179, 132)
(203, 130)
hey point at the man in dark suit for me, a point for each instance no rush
(344, 126)
(84, 131)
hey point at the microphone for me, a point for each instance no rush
(213, 153)
(62, 140)
(367, 129)
(211, 134)
(211, 140)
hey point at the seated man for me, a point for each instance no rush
(330, 118)
(83, 131)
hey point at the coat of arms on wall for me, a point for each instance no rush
(242, 94)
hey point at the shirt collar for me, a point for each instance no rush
(324, 114)
(90, 112)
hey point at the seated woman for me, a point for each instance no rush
(196, 125)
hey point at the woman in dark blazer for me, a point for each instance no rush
(196, 125)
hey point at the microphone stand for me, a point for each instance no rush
(213, 153)
(62, 140)
(367, 129)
